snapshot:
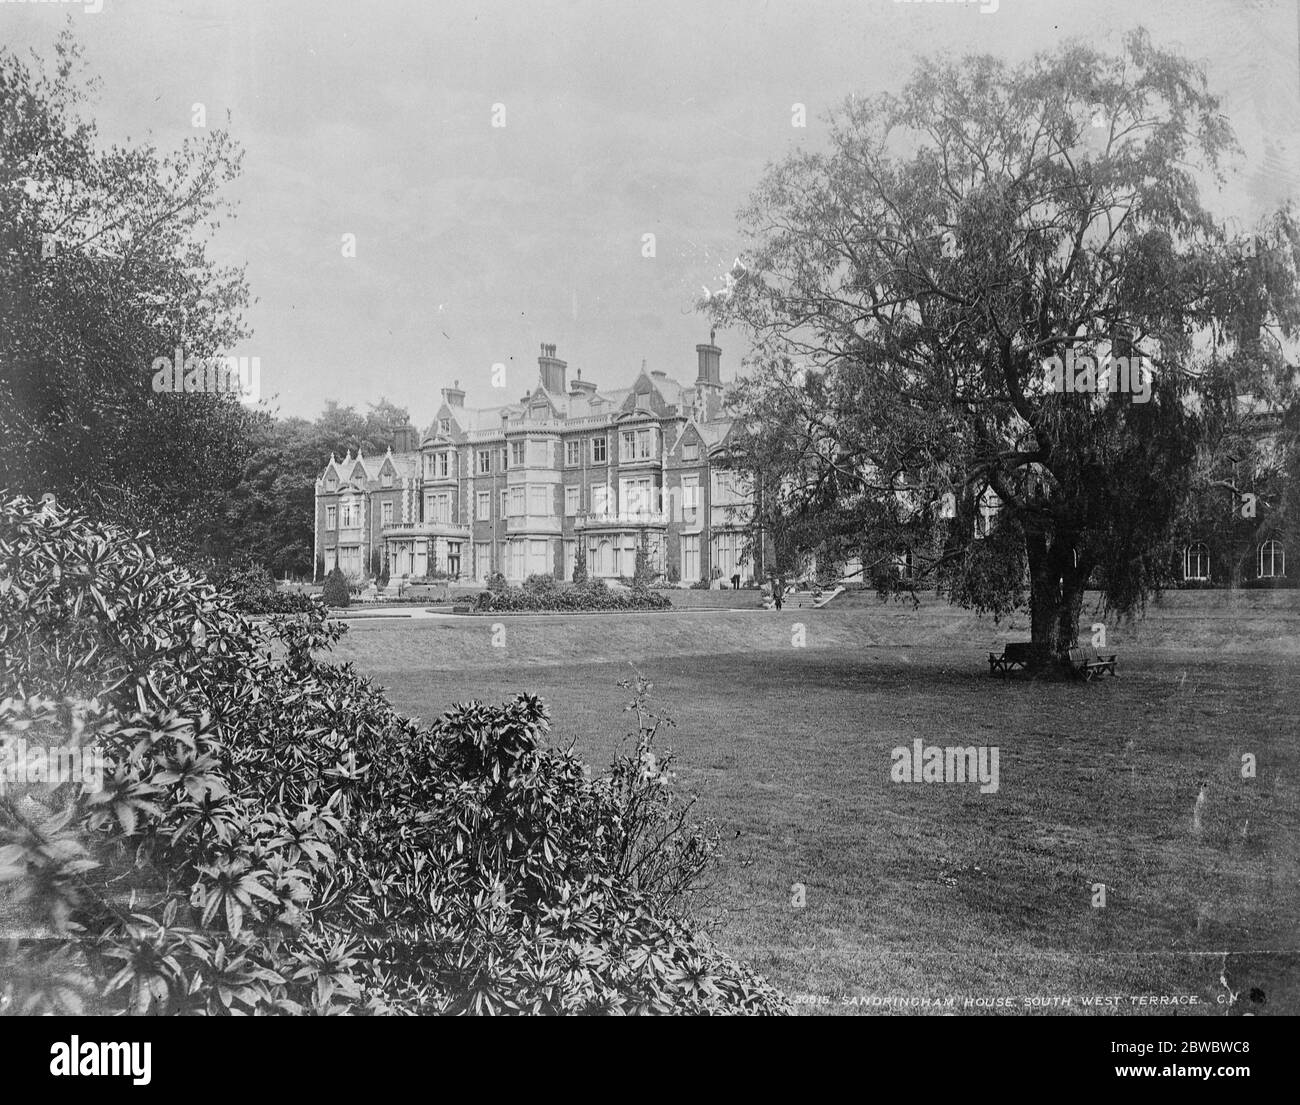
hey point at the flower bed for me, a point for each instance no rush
(513, 600)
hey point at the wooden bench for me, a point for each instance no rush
(1015, 654)
(1088, 667)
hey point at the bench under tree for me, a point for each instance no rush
(1015, 654)
(1088, 666)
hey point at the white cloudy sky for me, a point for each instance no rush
(475, 244)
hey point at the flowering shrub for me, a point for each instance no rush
(270, 836)
(516, 600)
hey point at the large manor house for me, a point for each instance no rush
(518, 488)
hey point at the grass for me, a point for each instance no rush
(939, 890)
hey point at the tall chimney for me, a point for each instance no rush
(710, 364)
(579, 386)
(551, 370)
(453, 396)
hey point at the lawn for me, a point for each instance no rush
(929, 889)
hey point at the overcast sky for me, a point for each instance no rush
(474, 243)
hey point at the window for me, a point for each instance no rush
(484, 461)
(516, 502)
(600, 499)
(351, 515)
(443, 465)
(691, 500)
(603, 560)
(572, 453)
(504, 494)
(1196, 562)
(598, 448)
(537, 504)
(627, 445)
(453, 558)
(729, 555)
(444, 425)
(437, 508)
(691, 558)
(386, 478)
(331, 517)
(505, 459)
(482, 560)
(645, 444)
(636, 497)
(988, 507)
(572, 500)
(538, 561)
(484, 506)
(517, 453)
(1272, 560)
(691, 451)
(387, 516)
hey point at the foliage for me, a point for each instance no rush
(496, 583)
(270, 837)
(105, 262)
(592, 596)
(642, 573)
(905, 288)
(338, 590)
(252, 590)
(580, 563)
(541, 585)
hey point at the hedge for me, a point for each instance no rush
(270, 836)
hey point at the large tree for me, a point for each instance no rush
(269, 517)
(104, 267)
(905, 287)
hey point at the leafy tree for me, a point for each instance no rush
(580, 563)
(643, 574)
(906, 287)
(337, 591)
(104, 267)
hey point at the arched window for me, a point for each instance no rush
(1196, 562)
(604, 559)
(1272, 560)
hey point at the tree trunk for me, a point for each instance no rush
(1055, 598)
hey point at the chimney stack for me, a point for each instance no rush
(453, 396)
(551, 370)
(710, 373)
(579, 386)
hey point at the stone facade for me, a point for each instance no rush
(518, 488)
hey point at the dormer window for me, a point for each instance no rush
(444, 425)
(691, 451)
(386, 478)
(643, 401)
